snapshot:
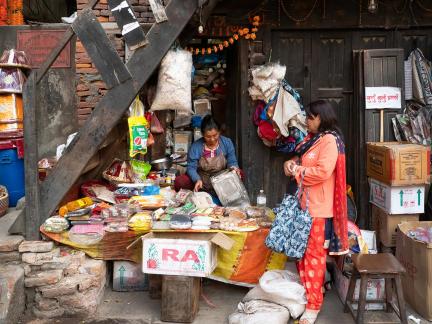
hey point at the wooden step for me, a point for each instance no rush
(99, 48)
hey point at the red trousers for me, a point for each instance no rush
(312, 266)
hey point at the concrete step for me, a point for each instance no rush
(12, 293)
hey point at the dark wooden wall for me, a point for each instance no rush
(57, 103)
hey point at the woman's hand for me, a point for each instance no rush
(237, 170)
(198, 185)
(290, 167)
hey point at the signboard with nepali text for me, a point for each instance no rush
(383, 98)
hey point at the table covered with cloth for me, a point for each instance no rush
(244, 264)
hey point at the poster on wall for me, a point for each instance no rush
(383, 98)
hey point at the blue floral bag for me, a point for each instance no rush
(290, 230)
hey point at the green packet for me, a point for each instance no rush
(140, 168)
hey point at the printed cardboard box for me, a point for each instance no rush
(387, 224)
(398, 164)
(183, 254)
(182, 141)
(416, 257)
(375, 289)
(127, 276)
(397, 200)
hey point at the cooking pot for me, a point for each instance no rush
(161, 164)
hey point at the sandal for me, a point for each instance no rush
(309, 317)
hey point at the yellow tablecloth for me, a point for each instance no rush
(248, 259)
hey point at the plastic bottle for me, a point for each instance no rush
(261, 199)
(74, 205)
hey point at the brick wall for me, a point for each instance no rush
(90, 86)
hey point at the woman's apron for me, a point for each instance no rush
(208, 167)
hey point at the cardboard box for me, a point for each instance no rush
(202, 107)
(127, 276)
(184, 254)
(416, 257)
(387, 224)
(375, 289)
(397, 200)
(398, 164)
(182, 141)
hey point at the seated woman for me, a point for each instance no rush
(207, 157)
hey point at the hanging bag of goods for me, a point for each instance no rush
(138, 129)
(174, 83)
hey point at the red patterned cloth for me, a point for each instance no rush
(312, 266)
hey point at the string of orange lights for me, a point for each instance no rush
(243, 32)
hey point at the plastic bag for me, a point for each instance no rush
(174, 83)
(258, 312)
(155, 125)
(138, 129)
(283, 284)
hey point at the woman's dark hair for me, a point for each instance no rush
(208, 123)
(326, 113)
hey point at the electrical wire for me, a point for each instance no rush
(298, 20)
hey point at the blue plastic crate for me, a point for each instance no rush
(12, 174)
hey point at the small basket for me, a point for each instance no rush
(123, 176)
(4, 200)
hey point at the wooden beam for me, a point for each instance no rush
(31, 158)
(56, 51)
(99, 48)
(113, 105)
(131, 29)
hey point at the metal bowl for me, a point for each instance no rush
(161, 164)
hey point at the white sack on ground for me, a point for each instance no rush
(259, 312)
(280, 289)
(174, 83)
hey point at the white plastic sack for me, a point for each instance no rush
(282, 287)
(259, 312)
(174, 83)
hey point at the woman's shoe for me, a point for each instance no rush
(309, 317)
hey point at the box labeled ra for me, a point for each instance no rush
(398, 164)
(181, 253)
(397, 200)
(127, 276)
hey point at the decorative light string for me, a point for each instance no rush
(242, 32)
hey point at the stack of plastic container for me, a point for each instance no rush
(13, 65)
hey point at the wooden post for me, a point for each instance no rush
(381, 125)
(31, 156)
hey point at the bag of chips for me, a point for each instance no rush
(138, 129)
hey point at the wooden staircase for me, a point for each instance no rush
(124, 81)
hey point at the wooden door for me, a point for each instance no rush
(411, 39)
(293, 49)
(331, 80)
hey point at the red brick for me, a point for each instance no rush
(85, 111)
(101, 6)
(82, 87)
(87, 70)
(96, 13)
(103, 19)
(83, 93)
(105, 13)
(83, 104)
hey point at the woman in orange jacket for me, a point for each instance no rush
(320, 165)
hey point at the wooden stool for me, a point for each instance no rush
(376, 266)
